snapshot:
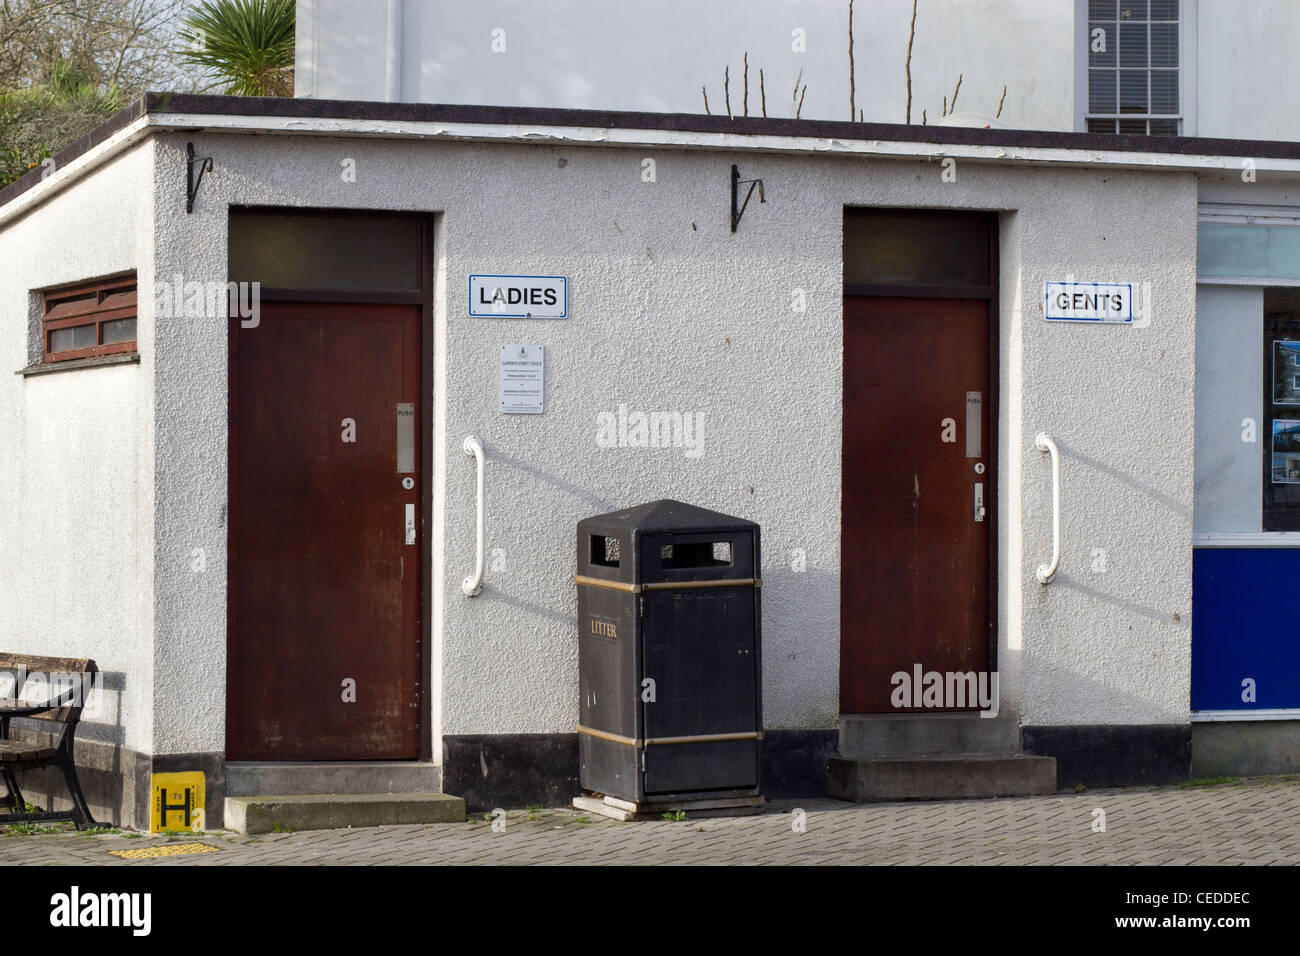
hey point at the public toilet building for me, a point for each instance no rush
(265, 529)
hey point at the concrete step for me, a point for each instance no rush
(885, 735)
(318, 811)
(941, 777)
(251, 779)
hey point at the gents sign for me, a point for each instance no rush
(519, 297)
(1089, 302)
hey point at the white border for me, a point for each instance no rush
(1246, 539)
(1187, 66)
(1258, 281)
(1215, 716)
(1247, 214)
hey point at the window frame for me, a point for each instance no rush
(1278, 508)
(88, 304)
(1187, 43)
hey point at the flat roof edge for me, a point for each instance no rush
(1195, 151)
(304, 108)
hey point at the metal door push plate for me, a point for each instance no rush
(974, 421)
(405, 438)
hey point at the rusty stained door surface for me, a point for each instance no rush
(324, 580)
(915, 560)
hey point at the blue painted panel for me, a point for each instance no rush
(1245, 623)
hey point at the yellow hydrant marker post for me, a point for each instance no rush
(176, 801)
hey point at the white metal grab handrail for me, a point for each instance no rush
(1044, 443)
(473, 584)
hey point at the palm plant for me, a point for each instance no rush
(246, 46)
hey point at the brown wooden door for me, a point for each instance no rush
(915, 563)
(324, 588)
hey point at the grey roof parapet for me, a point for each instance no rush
(304, 108)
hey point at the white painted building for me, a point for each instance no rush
(234, 519)
(1210, 68)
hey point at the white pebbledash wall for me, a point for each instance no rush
(671, 312)
(77, 453)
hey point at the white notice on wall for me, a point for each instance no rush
(1109, 302)
(519, 297)
(523, 374)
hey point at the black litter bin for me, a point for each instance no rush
(669, 654)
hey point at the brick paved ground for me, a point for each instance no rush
(1254, 821)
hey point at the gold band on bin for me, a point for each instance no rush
(612, 738)
(723, 583)
(611, 585)
(651, 741)
(706, 738)
(665, 585)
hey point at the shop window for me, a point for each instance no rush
(89, 320)
(1281, 426)
(1133, 67)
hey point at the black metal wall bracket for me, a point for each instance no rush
(737, 207)
(191, 183)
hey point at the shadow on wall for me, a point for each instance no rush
(1158, 615)
(592, 503)
(787, 597)
(1180, 509)
(1121, 751)
(105, 768)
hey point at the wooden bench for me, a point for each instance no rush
(65, 710)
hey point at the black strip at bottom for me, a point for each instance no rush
(1113, 755)
(795, 762)
(511, 770)
(515, 770)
